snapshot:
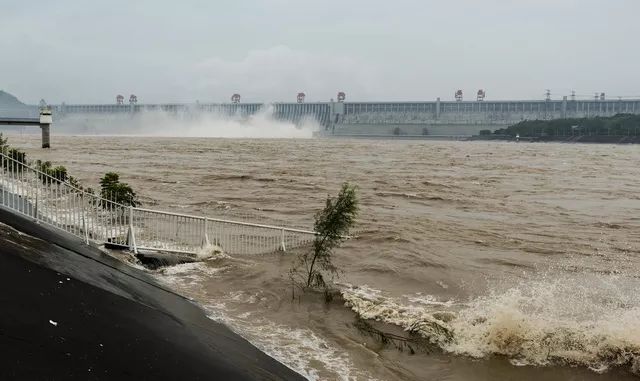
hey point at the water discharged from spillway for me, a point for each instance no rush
(504, 260)
(262, 124)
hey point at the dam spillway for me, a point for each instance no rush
(439, 118)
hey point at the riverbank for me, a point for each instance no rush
(73, 312)
(603, 139)
(618, 129)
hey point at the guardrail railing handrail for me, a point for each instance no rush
(46, 175)
(226, 221)
(57, 202)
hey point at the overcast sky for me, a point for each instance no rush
(80, 51)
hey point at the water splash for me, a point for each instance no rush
(211, 251)
(299, 348)
(586, 320)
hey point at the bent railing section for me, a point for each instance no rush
(55, 202)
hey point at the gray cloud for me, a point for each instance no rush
(279, 73)
(87, 52)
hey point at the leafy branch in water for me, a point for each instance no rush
(332, 225)
(401, 343)
(413, 342)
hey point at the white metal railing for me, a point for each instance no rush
(52, 201)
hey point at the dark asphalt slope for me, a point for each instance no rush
(68, 311)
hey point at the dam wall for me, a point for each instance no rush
(466, 118)
(380, 118)
(297, 113)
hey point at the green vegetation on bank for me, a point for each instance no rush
(617, 125)
(52, 173)
(332, 224)
(112, 189)
(13, 153)
(110, 186)
(58, 174)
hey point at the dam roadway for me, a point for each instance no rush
(435, 118)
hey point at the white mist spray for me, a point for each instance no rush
(203, 124)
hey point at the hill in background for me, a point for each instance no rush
(11, 107)
(8, 100)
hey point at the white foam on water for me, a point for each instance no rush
(567, 318)
(300, 349)
(210, 251)
(589, 320)
(428, 300)
(245, 297)
(372, 304)
(592, 321)
(188, 276)
(192, 268)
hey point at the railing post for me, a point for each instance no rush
(282, 245)
(2, 185)
(98, 229)
(131, 236)
(205, 239)
(35, 212)
(84, 221)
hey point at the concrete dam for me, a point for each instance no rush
(435, 118)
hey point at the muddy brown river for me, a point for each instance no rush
(487, 260)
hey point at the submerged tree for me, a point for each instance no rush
(112, 189)
(332, 225)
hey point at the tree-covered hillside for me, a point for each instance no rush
(618, 125)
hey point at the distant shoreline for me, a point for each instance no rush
(617, 129)
(598, 139)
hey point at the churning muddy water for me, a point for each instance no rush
(497, 261)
